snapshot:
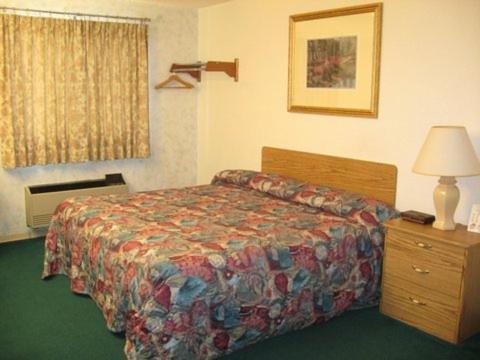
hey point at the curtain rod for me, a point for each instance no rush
(77, 14)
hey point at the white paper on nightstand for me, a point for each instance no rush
(474, 222)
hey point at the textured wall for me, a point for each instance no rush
(172, 38)
(430, 74)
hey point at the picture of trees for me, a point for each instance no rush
(331, 63)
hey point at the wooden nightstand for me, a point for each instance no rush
(431, 279)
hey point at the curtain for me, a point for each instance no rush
(72, 91)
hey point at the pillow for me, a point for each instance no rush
(277, 185)
(345, 204)
(237, 177)
(364, 210)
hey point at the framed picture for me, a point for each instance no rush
(334, 61)
(474, 221)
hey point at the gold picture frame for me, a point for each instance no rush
(334, 61)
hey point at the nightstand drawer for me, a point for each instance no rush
(425, 270)
(430, 312)
(428, 251)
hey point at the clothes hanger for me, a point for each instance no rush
(174, 82)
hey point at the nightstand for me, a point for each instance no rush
(431, 279)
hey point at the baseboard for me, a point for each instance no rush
(22, 236)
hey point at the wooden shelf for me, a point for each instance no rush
(195, 70)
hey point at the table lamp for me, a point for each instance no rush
(447, 152)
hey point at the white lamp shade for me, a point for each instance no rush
(447, 151)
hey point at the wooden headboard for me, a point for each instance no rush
(376, 180)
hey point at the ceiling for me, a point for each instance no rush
(192, 3)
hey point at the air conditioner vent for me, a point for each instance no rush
(41, 220)
(42, 200)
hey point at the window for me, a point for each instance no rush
(72, 91)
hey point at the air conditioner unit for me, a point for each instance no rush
(42, 200)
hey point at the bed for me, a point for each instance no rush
(200, 272)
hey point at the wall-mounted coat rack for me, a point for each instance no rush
(195, 70)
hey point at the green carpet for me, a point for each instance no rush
(44, 320)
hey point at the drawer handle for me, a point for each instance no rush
(420, 271)
(417, 302)
(423, 245)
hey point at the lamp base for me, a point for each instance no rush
(445, 198)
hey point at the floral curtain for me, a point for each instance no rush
(72, 91)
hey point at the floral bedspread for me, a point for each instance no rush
(202, 271)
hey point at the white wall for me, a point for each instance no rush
(430, 74)
(172, 38)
